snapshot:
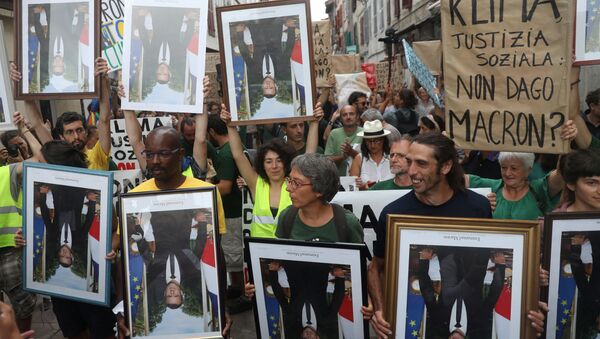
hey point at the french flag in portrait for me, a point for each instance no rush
(94, 246)
(193, 61)
(346, 317)
(297, 69)
(84, 46)
(209, 272)
(502, 313)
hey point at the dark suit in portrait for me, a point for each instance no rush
(438, 315)
(308, 286)
(588, 308)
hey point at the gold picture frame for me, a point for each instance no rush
(518, 241)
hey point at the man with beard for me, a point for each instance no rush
(398, 166)
(71, 126)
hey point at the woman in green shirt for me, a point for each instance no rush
(516, 196)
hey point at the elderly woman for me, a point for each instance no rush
(372, 164)
(516, 197)
(312, 183)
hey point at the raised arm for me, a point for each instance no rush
(134, 133)
(237, 150)
(312, 139)
(34, 144)
(200, 152)
(104, 121)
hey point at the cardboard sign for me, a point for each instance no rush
(322, 50)
(348, 83)
(112, 15)
(430, 52)
(121, 151)
(212, 60)
(345, 63)
(381, 75)
(506, 66)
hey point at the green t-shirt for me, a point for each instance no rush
(527, 208)
(333, 147)
(595, 144)
(325, 233)
(227, 170)
(388, 185)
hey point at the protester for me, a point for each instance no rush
(372, 164)
(359, 101)
(425, 104)
(405, 119)
(591, 116)
(294, 136)
(431, 123)
(342, 141)
(372, 114)
(398, 166)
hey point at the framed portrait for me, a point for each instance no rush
(267, 61)
(467, 277)
(7, 104)
(57, 42)
(587, 33)
(172, 268)
(164, 45)
(67, 217)
(572, 256)
(308, 289)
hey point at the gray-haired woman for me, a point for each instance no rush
(312, 183)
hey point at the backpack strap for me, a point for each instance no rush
(541, 204)
(287, 222)
(341, 225)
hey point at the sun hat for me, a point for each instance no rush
(373, 129)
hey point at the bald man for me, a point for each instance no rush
(343, 142)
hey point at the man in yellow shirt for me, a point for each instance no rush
(71, 126)
(164, 154)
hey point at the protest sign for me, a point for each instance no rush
(121, 151)
(212, 61)
(430, 52)
(322, 48)
(112, 32)
(345, 63)
(421, 72)
(348, 83)
(247, 206)
(369, 70)
(381, 75)
(124, 181)
(507, 88)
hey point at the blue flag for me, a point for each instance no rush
(239, 71)
(38, 239)
(566, 293)
(136, 269)
(33, 43)
(414, 314)
(273, 315)
(421, 72)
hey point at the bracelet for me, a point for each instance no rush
(330, 123)
(576, 82)
(25, 131)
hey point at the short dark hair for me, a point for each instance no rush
(444, 151)
(408, 98)
(575, 165)
(593, 97)
(283, 150)
(217, 125)
(67, 118)
(59, 152)
(6, 136)
(364, 150)
(186, 121)
(430, 125)
(354, 96)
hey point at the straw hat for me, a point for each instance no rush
(372, 130)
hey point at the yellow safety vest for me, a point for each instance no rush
(10, 210)
(263, 224)
(188, 172)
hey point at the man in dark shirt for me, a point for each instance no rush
(438, 190)
(592, 115)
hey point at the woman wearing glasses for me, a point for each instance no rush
(266, 180)
(372, 164)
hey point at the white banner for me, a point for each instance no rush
(124, 181)
(121, 151)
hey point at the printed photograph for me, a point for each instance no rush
(302, 298)
(171, 271)
(7, 105)
(267, 61)
(458, 291)
(574, 290)
(587, 32)
(57, 46)
(68, 226)
(165, 66)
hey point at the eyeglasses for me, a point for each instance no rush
(162, 154)
(294, 184)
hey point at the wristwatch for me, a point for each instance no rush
(330, 123)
